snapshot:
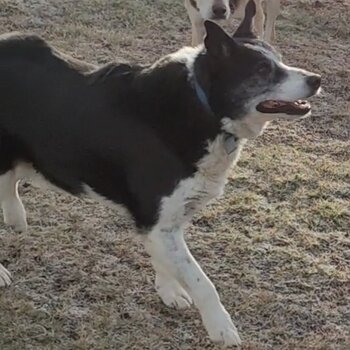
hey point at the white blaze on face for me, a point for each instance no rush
(206, 7)
(295, 85)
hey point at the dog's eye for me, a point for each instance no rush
(263, 68)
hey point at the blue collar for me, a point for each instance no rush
(202, 97)
(230, 140)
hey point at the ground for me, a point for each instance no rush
(276, 245)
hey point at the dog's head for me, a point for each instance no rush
(214, 9)
(245, 76)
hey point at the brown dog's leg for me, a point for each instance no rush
(273, 9)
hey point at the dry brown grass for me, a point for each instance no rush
(277, 244)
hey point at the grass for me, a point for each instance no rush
(276, 245)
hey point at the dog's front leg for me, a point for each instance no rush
(198, 33)
(273, 9)
(197, 22)
(170, 290)
(259, 19)
(169, 251)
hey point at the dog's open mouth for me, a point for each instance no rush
(300, 107)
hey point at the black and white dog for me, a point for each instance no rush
(158, 140)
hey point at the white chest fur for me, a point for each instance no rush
(192, 194)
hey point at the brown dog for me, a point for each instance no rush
(201, 10)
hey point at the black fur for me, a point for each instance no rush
(128, 134)
(131, 133)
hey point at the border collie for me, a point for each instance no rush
(158, 140)
(201, 10)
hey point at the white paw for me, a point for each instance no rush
(15, 216)
(221, 328)
(5, 277)
(16, 225)
(172, 294)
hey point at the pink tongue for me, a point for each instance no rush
(274, 104)
(299, 107)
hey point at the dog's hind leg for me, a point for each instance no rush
(10, 206)
(13, 209)
(5, 277)
(168, 249)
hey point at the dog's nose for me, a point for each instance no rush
(219, 11)
(314, 81)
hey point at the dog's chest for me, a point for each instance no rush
(193, 193)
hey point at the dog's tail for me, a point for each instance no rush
(246, 28)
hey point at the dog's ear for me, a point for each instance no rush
(217, 42)
(246, 28)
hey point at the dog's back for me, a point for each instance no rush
(34, 80)
(80, 130)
